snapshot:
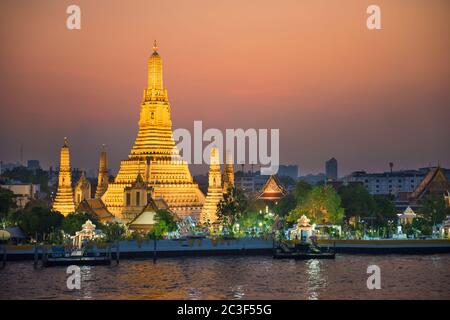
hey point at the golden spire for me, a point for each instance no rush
(64, 196)
(155, 76)
(215, 194)
(228, 174)
(102, 183)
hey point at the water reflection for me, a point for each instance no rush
(87, 281)
(239, 277)
(194, 294)
(238, 292)
(315, 279)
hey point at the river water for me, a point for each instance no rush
(237, 277)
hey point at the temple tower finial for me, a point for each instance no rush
(102, 183)
(155, 74)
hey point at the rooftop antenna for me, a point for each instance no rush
(21, 154)
(391, 165)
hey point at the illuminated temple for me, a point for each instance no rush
(64, 200)
(215, 191)
(154, 168)
(218, 185)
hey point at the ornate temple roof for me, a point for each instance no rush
(272, 190)
(435, 181)
(146, 219)
(97, 208)
(83, 181)
(408, 213)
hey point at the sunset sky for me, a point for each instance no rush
(310, 68)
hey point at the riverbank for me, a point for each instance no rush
(243, 246)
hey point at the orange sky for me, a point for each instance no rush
(310, 68)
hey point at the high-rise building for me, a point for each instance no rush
(63, 202)
(288, 171)
(331, 169)
(33, 165)
(155, 155)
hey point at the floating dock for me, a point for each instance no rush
(79, 261)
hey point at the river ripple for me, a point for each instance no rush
(237, 277)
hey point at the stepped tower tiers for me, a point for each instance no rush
(102, 183)
(82, 189)
(215, 191)
(155, 155)
(228, 174)
(64, 196)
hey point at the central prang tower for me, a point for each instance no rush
(155, 157)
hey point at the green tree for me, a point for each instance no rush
(384, 208)
(285, 205)
(73, 222)
(255, 205)
(165, 222)
(322, 205)
(166, 218)
(301, 191)
(232, 206)
(113, 231)
(433, 209)
(38, 220)
(286, 181)
(6, 203)
(356, 201)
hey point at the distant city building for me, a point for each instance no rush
(8, 166)
(250, 182)
(331, 169)
(314, 178)
(288, 171)
(24, 192)
(387, 182)
(33, 165)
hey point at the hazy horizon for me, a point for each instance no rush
(309, 68)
